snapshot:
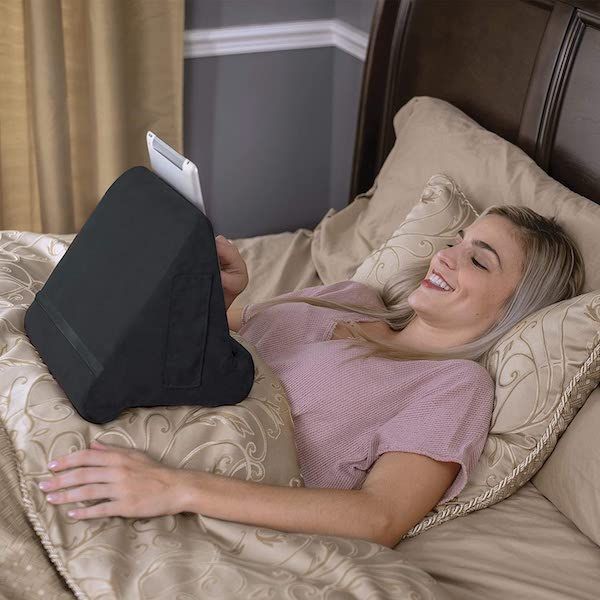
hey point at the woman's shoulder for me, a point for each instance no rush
(467, 377)
(466, 369)
(453, 377)
(473, 368)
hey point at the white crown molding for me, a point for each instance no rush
(272, 37)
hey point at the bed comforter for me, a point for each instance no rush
(45, 555)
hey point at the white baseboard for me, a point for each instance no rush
(274, 37)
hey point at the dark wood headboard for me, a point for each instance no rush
(528, 70)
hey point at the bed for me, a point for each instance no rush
(529, 72)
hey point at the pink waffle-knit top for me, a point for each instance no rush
(347, 413)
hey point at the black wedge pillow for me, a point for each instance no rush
(134, 312)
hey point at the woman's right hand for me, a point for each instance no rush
(234, 273)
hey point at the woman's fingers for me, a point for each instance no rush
(87, 457)
(225, 243)
(138, 486)
(104, 509)
(78, 477)
(233, 269)
(95, 491)
(227, 253)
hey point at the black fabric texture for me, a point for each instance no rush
(133, 315)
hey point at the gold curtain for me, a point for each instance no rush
(81, 81)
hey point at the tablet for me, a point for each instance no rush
(178, 171)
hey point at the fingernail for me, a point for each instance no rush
(52, 464)
(43, 485)
(229, 241)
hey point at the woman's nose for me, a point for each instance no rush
(448, 257)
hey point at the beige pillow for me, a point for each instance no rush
(571, 475)
(544, 368)
(442, 210)
(433, 136)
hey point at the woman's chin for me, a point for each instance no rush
(426, 295)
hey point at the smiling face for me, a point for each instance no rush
(482, 279)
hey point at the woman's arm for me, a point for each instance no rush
(347, 513)
(399, 490)
(136, 485)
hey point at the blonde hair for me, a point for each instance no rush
(553, 271)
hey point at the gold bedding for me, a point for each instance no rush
(46, 554)
(515, 548)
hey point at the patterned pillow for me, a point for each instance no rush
(442, 210)
(544, 368)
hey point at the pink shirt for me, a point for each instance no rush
(347, 414)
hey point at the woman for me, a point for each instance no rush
(380, 442)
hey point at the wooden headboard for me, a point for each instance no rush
(528, 70)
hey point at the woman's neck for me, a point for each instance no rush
(418, 336)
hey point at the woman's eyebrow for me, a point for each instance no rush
(483, 245)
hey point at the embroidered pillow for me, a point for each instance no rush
(442, 210)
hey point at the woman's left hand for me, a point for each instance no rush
(135, 484)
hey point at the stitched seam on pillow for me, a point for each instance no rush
(487, 498)
(61, 325)
(462, 195)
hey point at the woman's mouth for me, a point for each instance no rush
(430, 284)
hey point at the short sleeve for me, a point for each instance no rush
(450, 423)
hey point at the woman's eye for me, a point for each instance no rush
(478, 264)
(474, 261)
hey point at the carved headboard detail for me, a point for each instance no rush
(528, 70)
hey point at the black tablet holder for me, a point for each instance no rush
(133, 315)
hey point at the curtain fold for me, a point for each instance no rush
(81, 81)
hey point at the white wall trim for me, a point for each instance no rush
(272, 37)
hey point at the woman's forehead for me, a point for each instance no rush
(497, 227)
(498, 232)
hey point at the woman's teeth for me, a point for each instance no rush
(439, 282)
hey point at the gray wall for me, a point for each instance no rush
(202, 14)
(357, 13)
(272, 133)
